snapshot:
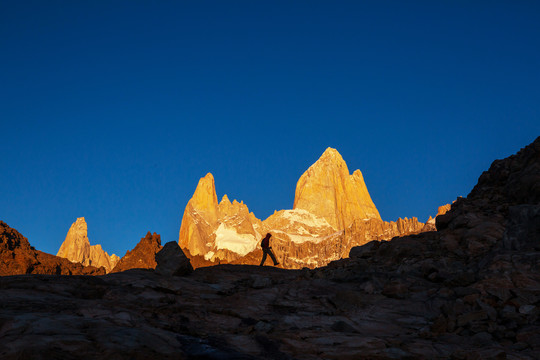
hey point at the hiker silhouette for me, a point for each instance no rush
(267, 250)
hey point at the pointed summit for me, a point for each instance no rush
(205, 197)
(76, 248)
(225, 200)
(327, 190)
(200, 217)
(331, 153)
(217, 231)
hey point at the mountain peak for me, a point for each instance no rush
(205, 197)
(330, 152)
(327, 190)
(76, 247)
(225, 200)
(331, 155)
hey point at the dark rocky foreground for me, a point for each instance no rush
(242, 312)
(471, 290)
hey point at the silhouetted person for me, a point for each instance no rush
(267, 250)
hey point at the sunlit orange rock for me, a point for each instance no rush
(76, 248)
(18, 257)
(333, 212)
(327, 190)
(218, 231)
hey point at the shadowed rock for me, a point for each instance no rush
(171, 260)
(143, 256)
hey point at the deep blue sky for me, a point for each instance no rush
(114, 110)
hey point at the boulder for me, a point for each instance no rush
(171, 260)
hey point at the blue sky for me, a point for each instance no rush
(114, 110)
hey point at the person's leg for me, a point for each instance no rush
(263, 258)
(271, 253)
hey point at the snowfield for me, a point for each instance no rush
(228, 239)
(305, 217)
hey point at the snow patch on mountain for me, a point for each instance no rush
(305, 217)
(227, 238)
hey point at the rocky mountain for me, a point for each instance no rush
(220, 231)
(143, 256)
(18, 257)
(332, 212)
(470, 290)
(76, 248)
(328, 191)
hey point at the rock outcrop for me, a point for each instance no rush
(76, 248)
(172, 261)
(18, 257)
(430, 223)
(143, 256)
(327, 190)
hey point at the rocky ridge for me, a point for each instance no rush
(76, 248)
(332, 212)
(470, 290)
(18, 257)
(143, 256)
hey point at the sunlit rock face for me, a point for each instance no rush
(218, 231)
(300, 239)
(200, 217)
(17, 257)
(333, 212)
(327, 190)
(76, 248)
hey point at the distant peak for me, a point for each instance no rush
(206, 182)
(79, 225)
(225, 199)
(208, 177)
(205, 197)
(330, 152)
(330, 156)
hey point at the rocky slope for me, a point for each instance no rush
(331, 209)
(143, 256)
(468, 291)
(18, 257)
(76, 248)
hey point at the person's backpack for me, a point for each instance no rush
(265, 242)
